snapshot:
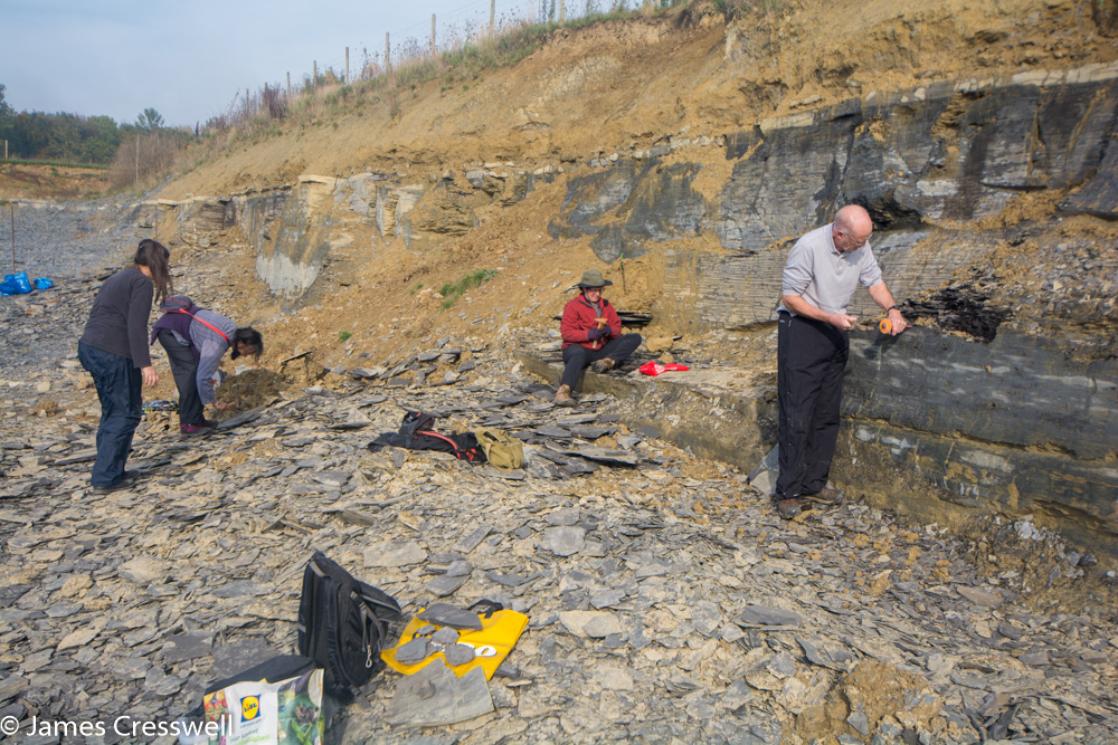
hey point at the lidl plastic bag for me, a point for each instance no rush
(276, 703)
(43, 283)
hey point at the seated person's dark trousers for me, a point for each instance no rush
(184, 368)
(577, 358)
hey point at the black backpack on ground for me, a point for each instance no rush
(417, 432)
(343, 625)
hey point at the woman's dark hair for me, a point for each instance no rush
(155, 256)
(249, 336)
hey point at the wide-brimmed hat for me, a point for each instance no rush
(592, 278)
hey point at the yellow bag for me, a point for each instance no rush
(492, 643)
(501, 449)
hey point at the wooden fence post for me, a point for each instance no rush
(347, 80)
(492, 16)
(434, 46)
(289, 86)
(387, 54)
(562, 12)
(314, 80)
(12, 220)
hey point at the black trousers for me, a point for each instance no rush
(811, 357)
(577, 358)
(184, 368)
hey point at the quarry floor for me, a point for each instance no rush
(667, 601)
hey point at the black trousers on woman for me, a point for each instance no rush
(184, 368)
(577, 358)
(811, 357)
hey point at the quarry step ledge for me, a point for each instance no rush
(943, 88)
(735, 422)
(1090, 73)
(968, 440)
(727, 414)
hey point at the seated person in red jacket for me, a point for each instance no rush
(592, 336)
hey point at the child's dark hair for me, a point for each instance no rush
(155, 256)
(250, 336)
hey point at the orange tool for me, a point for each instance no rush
(885, 326)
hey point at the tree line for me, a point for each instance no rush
(37, 135)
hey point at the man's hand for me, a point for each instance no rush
(897, 322)
(595, 333)
(150, 377)
(601, 321)
(842, 321)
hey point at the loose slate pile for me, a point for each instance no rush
(666, 599)
(37, 330)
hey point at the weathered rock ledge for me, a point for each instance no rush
(937, 427)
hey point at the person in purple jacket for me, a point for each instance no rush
(196, 339)
(114, 350)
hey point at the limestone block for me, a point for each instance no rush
(789, 181)
(358, 192)
(943, 151)
(406, 199)
(631, 205)
(1022, 391)
(207, 214)
(440, 211)
(257, 215)
(923, 474)
(1099, 196)
(520, 183)
(387, 197)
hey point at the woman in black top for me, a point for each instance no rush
(114, 349)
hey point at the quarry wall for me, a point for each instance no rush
(980, 413)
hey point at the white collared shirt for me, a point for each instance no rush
(823, 275)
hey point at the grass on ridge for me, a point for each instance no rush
(451, 291)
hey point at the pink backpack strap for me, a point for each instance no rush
(208, 325)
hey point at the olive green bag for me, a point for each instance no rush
(501, 449)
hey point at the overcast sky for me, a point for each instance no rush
(188, 58)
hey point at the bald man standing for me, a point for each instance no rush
(823, 270)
